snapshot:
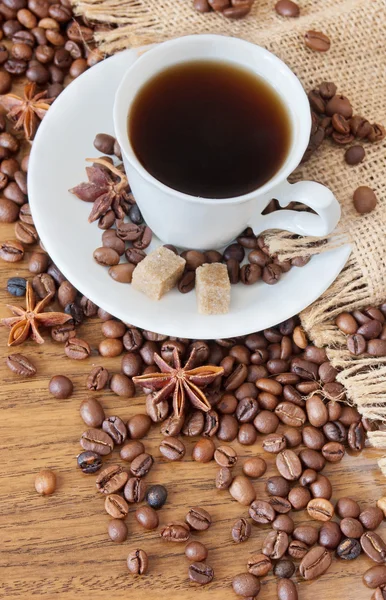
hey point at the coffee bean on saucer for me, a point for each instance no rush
(316, 40)
(137, 562)
(354, 155)
(365, 199)
(61, 387)
(287, 8)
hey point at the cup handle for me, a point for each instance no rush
(312, 194)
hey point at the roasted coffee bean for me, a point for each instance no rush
(131, 364)
(312, 459)
(293, 437)
(137, 562)
(307, 477)
(21, 365)
(284, 569)
(113, 329)
(274, 443)
(266, 422)
(211, 423)
(297, 550)
(374, 547)
(45, 482)
(242, 490)
(321, 487)
(348, 549)
(283, 523)
(316, 411)
(141, 465)
(228, 428)
(275, 544)
(43, 284)
(112, 479)
(75, 311)
(271, 274)
(106, 256)
(320, 509)
(97, 379)
(224, 478)
(304, 368)
(290, 414)
(131, 450)
(259, 565)
(356, 437)
(315, 563)
(104, 143)
(194, 423)
(376, 347)
(354, 155)
(247, 434)
(173, 425)
(288, 464)
(247, 409)
(370, 330)
(110, 348)
(375, 577)
(77, 349)
(16, 286)
(198, 519)
(299, 497)
(371, 518)
(203, 450)
(147, 517)
(365, 199)
(225, 456)
(11, 251)
(122, 273)
(138, 426)
(317, 41)
(156, 496)
(287, 8)
(333, 452)
(286, 590)
(280, 505)
(330, 535)
(346, 507)
(277, 486)
(306, 533)
(89, 462)
(175, 532)
(172, 448)
(116, 429)
(254, 467)
(201, 573)
(116, 506)
(60, 387)
(241, 531)
(196, 552)
(335, 431)
(313, 438)
(261, 512)
(97, 441)
(92, 412)
(351, 528)
(246, 585)
(117, 531)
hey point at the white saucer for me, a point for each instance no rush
(57, 163)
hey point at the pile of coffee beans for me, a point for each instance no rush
(333, 118)
(248, 260)
(365, 330)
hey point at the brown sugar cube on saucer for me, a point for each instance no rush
(213, 289)
(158, 272)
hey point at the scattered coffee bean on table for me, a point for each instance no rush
(137, 562)
(45, 482)
(61, 387)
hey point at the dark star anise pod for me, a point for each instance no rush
(107, 187)
(26, 113)
(183, 382)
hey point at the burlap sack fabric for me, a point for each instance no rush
(356, 62)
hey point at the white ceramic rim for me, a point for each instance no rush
(300, 136)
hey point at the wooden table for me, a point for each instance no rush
(57, 547)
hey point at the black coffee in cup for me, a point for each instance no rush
(209, 129)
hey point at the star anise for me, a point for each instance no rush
(107, 187)
(26, 113)
(27, 320)
(183, 382)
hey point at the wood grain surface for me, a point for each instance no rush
(57, 547)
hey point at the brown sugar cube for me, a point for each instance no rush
(213, 289)
(158, 272)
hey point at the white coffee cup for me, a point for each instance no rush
(203, 223)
